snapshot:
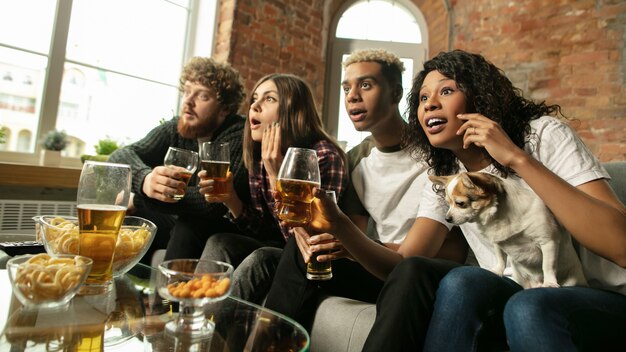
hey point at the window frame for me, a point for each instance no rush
(340, 46)
(199, 36)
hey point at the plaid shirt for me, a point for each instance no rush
(258, 215)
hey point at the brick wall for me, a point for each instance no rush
(567, 52)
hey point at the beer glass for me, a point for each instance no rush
(103, 193)
(215, 160)
(320, 270)
(185, 162)
(298, 175)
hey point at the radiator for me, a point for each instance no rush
(16, 215)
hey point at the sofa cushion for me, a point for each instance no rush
(341, 324)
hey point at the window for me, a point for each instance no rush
(397, 26)
(94, 68)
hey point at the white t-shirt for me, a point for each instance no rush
(554, 144)
(388, 185)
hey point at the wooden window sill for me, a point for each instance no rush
(38, 176)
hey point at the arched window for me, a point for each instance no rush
(397, 26)
(24, 138)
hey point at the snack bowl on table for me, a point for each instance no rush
(60, 236)
(134, 240)
(47, 281)
(193, 283)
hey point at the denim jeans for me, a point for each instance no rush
(253, 277)
(468, 311)
(295, 296)
(566, 319)
(405, 304)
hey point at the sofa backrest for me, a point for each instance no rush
(617, 170)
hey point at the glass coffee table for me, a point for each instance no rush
(131, 317)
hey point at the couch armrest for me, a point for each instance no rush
(341, 324)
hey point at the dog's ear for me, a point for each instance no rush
(439, 180)
(488, 182)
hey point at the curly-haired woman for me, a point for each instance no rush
(466, 115)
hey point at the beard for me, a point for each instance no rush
(189, 131)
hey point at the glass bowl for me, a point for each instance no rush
(59, 235)
(45, 281)
(134, 240)
(193, 283)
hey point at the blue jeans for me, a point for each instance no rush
(476, 310)
(468, 311)
(566, 319)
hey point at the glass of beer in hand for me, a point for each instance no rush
(298, 175)
(185, 162)
(321, 270)
(103, 193)
(215, 160)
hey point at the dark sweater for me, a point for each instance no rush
(149, 152)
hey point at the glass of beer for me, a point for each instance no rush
(320, 270)
(215, 160)
(298, 175)
(103, 194)
(185, 162)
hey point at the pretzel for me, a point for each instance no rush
(44, 278)
(129, 243)
(62, 236)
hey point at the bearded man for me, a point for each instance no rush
(212, 93)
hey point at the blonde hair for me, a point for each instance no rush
(391, 66)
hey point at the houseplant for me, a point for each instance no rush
(53, 143)
(104, 148)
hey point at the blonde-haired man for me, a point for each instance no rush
(385, 185)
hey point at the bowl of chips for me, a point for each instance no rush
(47, 281)
(134, 240)
(59, 235)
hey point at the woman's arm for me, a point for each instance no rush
(591, 212)
(424, 238)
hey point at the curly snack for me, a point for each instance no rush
(205, 286)
(44, 278)
(61, 236)
(129, 243)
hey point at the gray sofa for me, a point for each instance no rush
(342, 324)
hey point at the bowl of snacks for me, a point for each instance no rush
(60, 236)
(193, 283)
(134, 240)
(45, 281)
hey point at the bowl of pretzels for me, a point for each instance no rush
(60, 236)
(47, 281)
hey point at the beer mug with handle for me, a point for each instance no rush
(103, 193)
(298, 175)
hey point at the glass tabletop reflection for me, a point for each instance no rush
(131, 317)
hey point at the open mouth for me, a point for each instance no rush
(435, 124)
(357, 115)
(254, 123)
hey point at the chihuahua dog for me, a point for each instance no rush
(518, 224)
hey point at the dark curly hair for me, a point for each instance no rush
(488, 92)
(220, 76)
